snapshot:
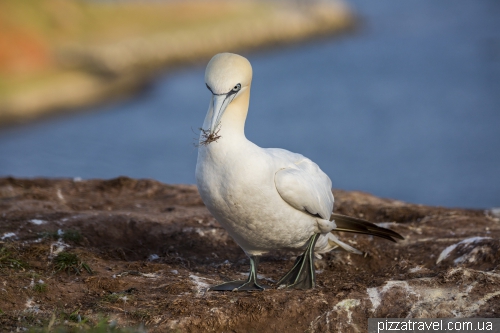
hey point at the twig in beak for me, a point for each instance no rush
(209, 137)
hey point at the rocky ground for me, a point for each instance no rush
(147, 251)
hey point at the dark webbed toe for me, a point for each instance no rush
(302, 274)
(247, 285)
(238, 286)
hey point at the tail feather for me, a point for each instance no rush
(355, 225)
(334, 242)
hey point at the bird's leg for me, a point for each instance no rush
(302, 275)
(249, 284)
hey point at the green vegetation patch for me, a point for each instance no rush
(70, 262)
(68, 236)
(9, 259)
(76, 324)
(40, 287)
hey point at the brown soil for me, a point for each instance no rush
(125, 222)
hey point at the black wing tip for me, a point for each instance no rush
(391, 233)
(391, 238)
(398, 236)
(368, 228)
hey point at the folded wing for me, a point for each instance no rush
(305, 187)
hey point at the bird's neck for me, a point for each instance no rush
(232, 125)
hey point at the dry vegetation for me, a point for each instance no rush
(63, 54)
(208, 137)
(152, 249)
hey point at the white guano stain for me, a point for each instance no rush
(37, 221)
(375, 295)
(60, 195)
(346, 306)
(468, 241)
(8, 235)
(415, 269)
(200, 285)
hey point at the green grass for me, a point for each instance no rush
(68, 236)
(117, 297)
(90, 21)
(8, 259)
(40, 287)
(49, 234)
(70, 262)
(72, 236)
(82, 326)
(55, 23)
(74, 317)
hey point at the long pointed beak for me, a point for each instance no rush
(219, 105)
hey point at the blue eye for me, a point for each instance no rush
(236, 87)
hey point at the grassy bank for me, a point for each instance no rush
(60, 55)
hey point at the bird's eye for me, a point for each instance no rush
(237, 87)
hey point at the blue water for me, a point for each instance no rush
(407, 107)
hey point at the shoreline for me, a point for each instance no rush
(93, 74)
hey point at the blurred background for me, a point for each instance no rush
(399, 99)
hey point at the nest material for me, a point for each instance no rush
(209, 137)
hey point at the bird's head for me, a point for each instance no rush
(228, 76)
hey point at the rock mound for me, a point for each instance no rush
(154, 249)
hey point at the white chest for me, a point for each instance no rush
(239, 191)
(232, 184)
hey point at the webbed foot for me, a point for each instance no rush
(302, 275)
(247, 285)
(238, 286)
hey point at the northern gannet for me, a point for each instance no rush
(266, 198)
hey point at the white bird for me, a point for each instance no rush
(266, 199)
